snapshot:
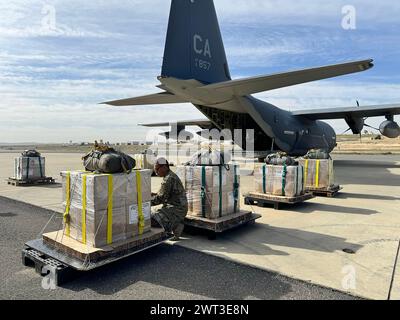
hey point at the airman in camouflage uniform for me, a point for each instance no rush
(172, 196)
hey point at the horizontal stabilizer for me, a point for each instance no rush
(243, 87)
(201, 123)
(158, 98)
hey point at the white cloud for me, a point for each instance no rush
(51, 81)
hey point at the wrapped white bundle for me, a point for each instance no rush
(102, 209)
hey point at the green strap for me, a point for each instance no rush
(284, 173)
(264, 179)
(27, 168)
(203, 191)
(40, 166)
(220, 191)
(235, 190)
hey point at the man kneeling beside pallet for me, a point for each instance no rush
(172, 196)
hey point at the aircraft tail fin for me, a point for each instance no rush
(194, 47)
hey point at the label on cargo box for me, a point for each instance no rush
(147, 210)
(133, 214)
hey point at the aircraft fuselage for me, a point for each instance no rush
(274, 127)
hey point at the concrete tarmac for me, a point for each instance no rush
(305, 242)
(164, 273)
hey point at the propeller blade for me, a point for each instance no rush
(346, 131)
(358, 103)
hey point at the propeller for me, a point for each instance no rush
(365, 124)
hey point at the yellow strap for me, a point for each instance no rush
(141, 164)
(140, 201)
(68, 205)
(305, 173)
(317, 173)
(84, 179)
(110, 209)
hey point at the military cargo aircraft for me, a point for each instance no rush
(195, 70)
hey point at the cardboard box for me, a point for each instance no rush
(318, 174)
(104, 208)
(29, 168)
(211, 190)
(279, 180)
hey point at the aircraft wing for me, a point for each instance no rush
(242, 87)
(158, 98)
(204, 124)
(357, 112)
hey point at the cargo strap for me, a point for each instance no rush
(305, 173)
(220, 191)
(284, 174)
(317, 167)
(140, 202)
(84, 179)
(110, 209)
(264, 168)
(141, 162)
(40, 167)
(297, 180)
(236, 190)
(27, 169)
(68, 204)
(203, 191)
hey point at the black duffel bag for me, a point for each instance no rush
(108, 161)
(31, 154)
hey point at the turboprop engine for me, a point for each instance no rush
(390, 129)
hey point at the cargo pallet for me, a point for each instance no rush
(61, 259)
(27, 183)
(325, 192)
(214, 227)
(262, 200)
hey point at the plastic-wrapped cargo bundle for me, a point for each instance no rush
(279, 180)
(144, 161)
(29, 168)
(208, 156)
(212, 191)
(318, 173)
(317, 154)
(102, 209)
(280, 159)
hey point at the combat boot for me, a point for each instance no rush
(178, 232)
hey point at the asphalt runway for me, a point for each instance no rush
(165, 272)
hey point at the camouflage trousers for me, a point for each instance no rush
(169, 217)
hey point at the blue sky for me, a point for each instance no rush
(51, 80)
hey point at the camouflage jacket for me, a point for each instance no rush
(172, 193)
